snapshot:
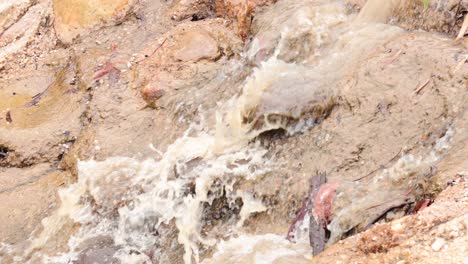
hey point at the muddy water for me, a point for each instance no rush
(121, 207)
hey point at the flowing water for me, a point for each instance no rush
(127, 204)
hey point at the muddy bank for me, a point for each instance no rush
(184, 131)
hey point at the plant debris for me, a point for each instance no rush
(419, 89)
(392, 59)
(154, 51)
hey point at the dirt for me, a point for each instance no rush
(380, 109)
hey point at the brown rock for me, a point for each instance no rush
(444, 16)
(151, 93)
(77, 17)
(195, 9)
(197, 45)
(241, 11)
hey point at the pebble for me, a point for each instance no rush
(438, 244)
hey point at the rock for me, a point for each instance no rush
(438, 244)
(196, 9)
(100, 249)
(355, 4)
(238, 10)
(197, 45)
(86, 14)
(11, 11)
(151, 94)
(445, 16)
(18, 27)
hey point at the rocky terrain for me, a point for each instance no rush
(192, 131)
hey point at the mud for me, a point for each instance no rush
(188, 131)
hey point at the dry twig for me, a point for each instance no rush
(419, 89)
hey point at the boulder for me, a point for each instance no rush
(196, 45)
(75, 18)
(11, 11)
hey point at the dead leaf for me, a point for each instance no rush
(419, 89)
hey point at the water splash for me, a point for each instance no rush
(260, 249)
(128, 200)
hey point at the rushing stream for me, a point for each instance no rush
(130, 206)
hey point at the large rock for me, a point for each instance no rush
(19, 23)
(237, 10)
(197, 45)
(78, 17)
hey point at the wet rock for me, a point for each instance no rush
(98, 250)
(194, 9)
(355, 4)
(188, 56)
(445, 16)
(74, 18)
(240, 11)
(312, 24)
(197, 45)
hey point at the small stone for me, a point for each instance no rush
(151, 94)
(438, 244)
